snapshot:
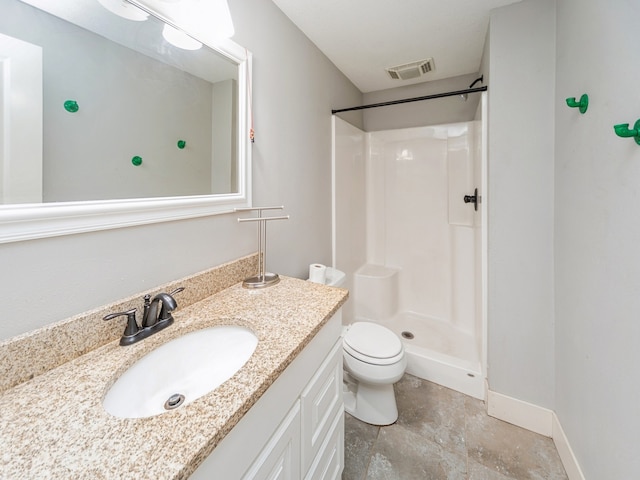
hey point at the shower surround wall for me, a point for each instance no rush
(409, 186)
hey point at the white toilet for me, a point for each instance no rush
(374, 360)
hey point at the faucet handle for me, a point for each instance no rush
(168, 304)
(132, 325)
(145, 309)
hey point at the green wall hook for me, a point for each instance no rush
(582, 105)
(623, 130)
(71, 106)
(181, 144)
(137, 161)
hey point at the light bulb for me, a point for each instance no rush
(179, 39)
(208, 20)
(124, 9)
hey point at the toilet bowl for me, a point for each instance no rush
(374, 360)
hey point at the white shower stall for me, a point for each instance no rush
(413, 250)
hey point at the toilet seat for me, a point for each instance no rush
(373, 343)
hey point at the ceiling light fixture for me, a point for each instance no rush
(180, 39)
(207, 20)
(124, 9)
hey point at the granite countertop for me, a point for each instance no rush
(54, 426)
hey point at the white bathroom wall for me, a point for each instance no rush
(480, 136)
(415, 233)
(376, 209)
(349, 229)
(410, 190)
(417, 221)
(521, 201)
(294, 89)
(464, 219)
(597, 267)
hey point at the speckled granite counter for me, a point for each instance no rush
(54, 426)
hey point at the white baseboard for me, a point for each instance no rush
(536, 419)
(569, 461)
(523, 414)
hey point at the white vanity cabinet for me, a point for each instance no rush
(322, 418)
(280, 458)
(295, 430)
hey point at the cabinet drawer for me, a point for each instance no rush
(329, 462)
(280, 458)
(321, 401)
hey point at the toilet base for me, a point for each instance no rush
(373, 404)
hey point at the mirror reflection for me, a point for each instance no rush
(103, 107)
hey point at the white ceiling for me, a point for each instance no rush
(363, 37)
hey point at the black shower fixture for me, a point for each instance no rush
(479, 79)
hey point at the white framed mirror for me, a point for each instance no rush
(104, 123)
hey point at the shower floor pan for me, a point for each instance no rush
(439, 352)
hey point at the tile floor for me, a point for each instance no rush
(443, 434)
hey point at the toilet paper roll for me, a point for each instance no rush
(318, 273)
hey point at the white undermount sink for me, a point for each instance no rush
(180, 371)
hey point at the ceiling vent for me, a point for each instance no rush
(411, 70)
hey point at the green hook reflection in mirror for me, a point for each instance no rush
(137, 161)
(71, 106)
(623, 130)
(581, 105)
(181, 144)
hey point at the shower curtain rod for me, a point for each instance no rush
(414, 99)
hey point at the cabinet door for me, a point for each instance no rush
(321, 401)
(280, 458)
(329, 462)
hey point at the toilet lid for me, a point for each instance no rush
(375, 342)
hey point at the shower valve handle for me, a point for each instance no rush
(475, 199)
